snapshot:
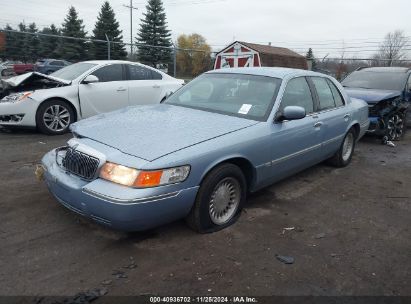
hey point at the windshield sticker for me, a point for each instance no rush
(245, 108)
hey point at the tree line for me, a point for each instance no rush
(31, 47)
(154, 45)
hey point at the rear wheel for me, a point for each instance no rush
(343, 156)
(54, 117)
(220, 199)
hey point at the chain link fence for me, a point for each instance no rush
(27, 48)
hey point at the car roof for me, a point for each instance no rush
(107, 61)
(275, 72)
(386, 69)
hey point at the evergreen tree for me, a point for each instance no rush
(11, 46)
(21, 39)
(154, 32)
(48, 45)
(33, 43)
(310, 57)
(3, 38)
(70, 49)
(108, 25)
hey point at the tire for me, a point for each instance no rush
(343, 156)
(51, 124)
(226, 181)
(396, 127)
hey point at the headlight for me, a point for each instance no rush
(17, 97)
(143, 179)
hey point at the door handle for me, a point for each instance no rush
(121, 89)
(156, 86)
(318, 124)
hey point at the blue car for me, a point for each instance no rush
(387, 90)
(197, 156)
(48, 66)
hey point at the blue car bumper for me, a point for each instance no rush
(136, 210)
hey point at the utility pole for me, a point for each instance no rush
(131, 7)
(174, 60)
(108, 47)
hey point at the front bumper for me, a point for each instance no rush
(133, 210)
(376, 126)
(26, 109)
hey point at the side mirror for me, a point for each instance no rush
(292, 113)
(90, 79)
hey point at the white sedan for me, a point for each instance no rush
(52, 102)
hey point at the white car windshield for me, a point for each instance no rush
(73, 71)
(246, 96)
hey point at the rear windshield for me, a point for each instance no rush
(73, 71)
(246, 96)
(375, 80)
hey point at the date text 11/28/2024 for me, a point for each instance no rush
(203, 300)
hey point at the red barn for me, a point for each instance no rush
(244, 54)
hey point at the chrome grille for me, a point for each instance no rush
(80, 164)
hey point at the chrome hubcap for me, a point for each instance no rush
(348, 146)
(395, 127)
(224, 201)
(56, 118)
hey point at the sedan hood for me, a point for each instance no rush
(21, 79)
(371, 96)
(150, 132)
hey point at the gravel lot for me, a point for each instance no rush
(351, 235)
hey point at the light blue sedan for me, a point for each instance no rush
(197, 156)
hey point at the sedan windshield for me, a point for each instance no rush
(73, 71)
(240, 95)
(375, 80)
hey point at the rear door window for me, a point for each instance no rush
(324, 93)
(137, 72)
(156, 75)
(109, 73)
(338, 99)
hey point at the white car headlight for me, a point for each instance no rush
(143, 179)
(16, 97)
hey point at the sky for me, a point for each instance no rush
(328, 26)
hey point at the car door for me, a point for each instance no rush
(296, 143)
(332, 114)
(144, 85)
(110, 93)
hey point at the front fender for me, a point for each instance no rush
(67, 93)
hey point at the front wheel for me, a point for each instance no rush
(343, 156)
(54, 117)
(396, 127)
(220, 199)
